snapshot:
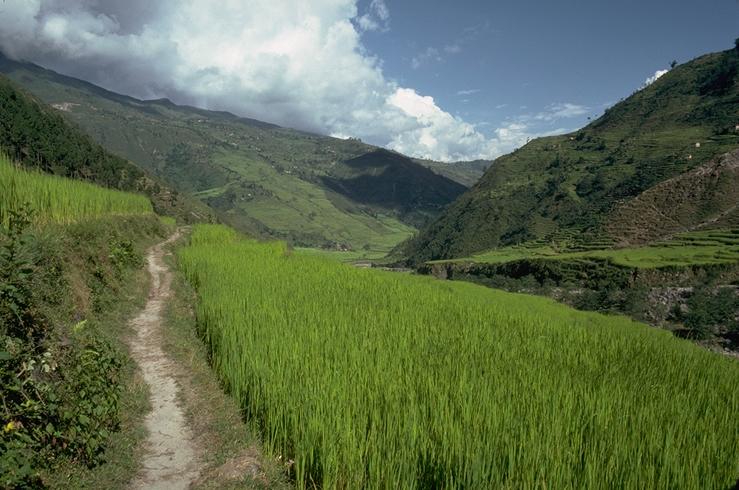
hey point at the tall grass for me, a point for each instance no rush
(379, 380)
(60, 200)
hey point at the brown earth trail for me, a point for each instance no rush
(172, 460)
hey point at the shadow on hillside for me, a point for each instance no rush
(392, 181)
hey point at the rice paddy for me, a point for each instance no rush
(368, 379)
(56, 199)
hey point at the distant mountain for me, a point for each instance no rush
(583, 182)
(309, 189)
(466, 173)
(35, 135)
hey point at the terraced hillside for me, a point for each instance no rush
(308, 189)
(585, 182)
(705, 197)
(716, 246)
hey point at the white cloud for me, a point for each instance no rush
(377, 17)
(657, 74)
(561, 111)
(470, 91)
(299, 64)
(448, 138)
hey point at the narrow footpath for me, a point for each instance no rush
(172, 459)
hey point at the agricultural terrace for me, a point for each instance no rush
(693, 248)
(61, 200)
(371, 379)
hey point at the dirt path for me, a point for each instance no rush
(172, 460)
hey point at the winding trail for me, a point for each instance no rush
(172, 459)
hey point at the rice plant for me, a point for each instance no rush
(60, 200)
(369, 379)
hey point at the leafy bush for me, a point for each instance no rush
(708, 309)
(60, 384)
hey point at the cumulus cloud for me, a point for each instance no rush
(448, 138)
(657, 74)
(299, 64)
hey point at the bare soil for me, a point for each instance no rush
(172, 460)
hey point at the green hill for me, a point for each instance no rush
(311, 190)
(36, 136)
(578, 184)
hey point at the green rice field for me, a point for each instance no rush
(56, 199)
(370, 379)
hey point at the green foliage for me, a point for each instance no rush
(572, 182)
(60, 200)
(60, 379)
(124, 256)
(58, 398)
(18, 258)
(61, 402)
(369, 379)
(709, 308)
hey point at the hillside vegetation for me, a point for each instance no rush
(35, 136)
(62, 369)
(309, 189)
(572, 183)
(356, 376)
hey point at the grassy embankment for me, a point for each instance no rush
(70, 396)
(371, 379)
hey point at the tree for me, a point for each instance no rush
(673, 64)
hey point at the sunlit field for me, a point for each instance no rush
(59, 200)
(370, 379)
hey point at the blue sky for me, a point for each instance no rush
(521, 57)
(442, 80)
